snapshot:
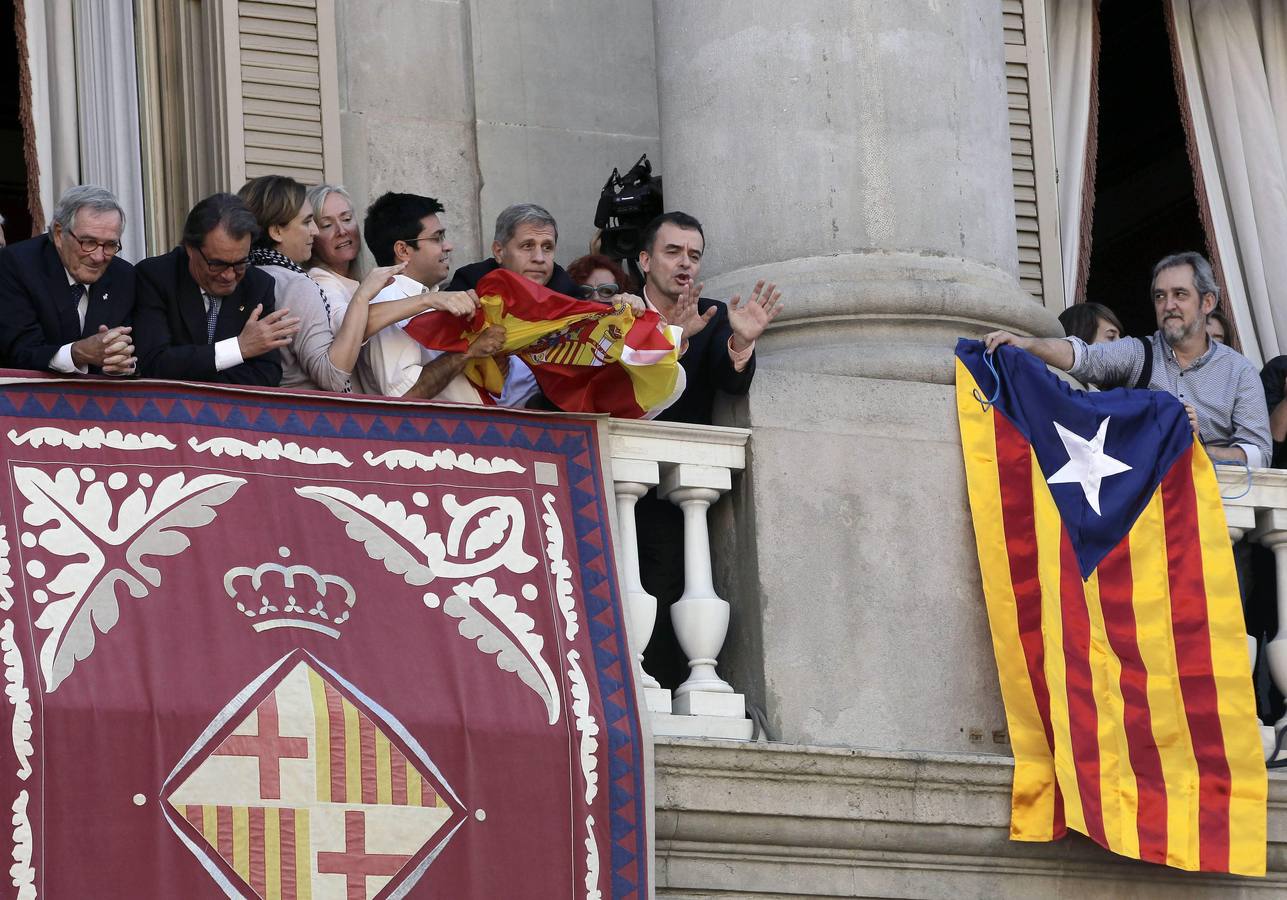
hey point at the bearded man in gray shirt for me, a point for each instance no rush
(1218, 386)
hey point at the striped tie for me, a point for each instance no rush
(212, 316)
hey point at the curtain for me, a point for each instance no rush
(1074, 64)
(1233, 58)
(84, 104)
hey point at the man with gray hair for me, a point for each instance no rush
(524, 243)
(66, 300)
(1218, 386)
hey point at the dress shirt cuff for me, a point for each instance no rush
(62, 362)
(1255, 459)
(1079, 352)
(739, 358)
(227, 354)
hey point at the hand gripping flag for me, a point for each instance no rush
(587, 357)
(1115, 618)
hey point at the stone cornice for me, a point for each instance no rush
(829, 817)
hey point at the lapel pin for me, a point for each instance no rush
(241, 309)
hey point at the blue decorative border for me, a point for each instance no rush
(573, 439)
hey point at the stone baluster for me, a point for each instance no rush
(1241, 520)
(701, 616)
(632, 478)
(1271, 531)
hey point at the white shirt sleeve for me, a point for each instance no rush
(62, 362)
(227, 354)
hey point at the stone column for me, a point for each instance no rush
(857, 153)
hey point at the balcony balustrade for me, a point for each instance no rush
(1255, 508)
(692, 466)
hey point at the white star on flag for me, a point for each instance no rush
(1088, 464)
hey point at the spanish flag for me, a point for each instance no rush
(586, 356)
(1115, 618)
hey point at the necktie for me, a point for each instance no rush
(77, 291)
(212, 316)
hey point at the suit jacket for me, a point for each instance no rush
(708, 369)
(467, 278)
(170, 324)
(37, 316)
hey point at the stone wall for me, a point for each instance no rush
(493, 102)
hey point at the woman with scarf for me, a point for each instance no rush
(324, 351)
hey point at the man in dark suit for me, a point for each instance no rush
(524, 242)
(66, 300)
(203, 313)
(718, 353)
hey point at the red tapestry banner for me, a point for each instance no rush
(272, 645)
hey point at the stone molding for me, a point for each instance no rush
(776, 820)
(885, 314)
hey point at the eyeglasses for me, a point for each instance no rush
(427, 237)
(606, 291)
(219, 266)
(88, 245)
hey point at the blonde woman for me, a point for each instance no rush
(334, 268)
(332, 327)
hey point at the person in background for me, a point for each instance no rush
(1218, 326)
(524, 242)
(66, 299)
(1217, 385)
(408, 229)
(599, 277)
(333, 267)
(203, 312)
(1094, 323)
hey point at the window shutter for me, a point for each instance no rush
(289, 89)
(1032, 153)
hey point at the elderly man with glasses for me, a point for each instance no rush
(66, 299)
(204, 313)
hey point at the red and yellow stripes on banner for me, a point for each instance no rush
(267, 846)
(355, 761)
(1128, 695)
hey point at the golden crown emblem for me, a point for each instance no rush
(274, 595)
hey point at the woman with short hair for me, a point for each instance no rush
(1094, 323)
(333, 325)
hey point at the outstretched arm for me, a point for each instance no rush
(1057, 352)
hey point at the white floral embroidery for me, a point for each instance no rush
(442, 459)
(585, 725)
(272, 449)
(592, 891)
(19, 697)
(559, 567)
(91, 438)
(23, 875)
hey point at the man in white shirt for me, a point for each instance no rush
(407, 229)
(66, 299)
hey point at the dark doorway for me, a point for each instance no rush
(1145, 205)
(13, 166)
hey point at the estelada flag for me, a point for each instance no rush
(586, 356)
(1115, 618)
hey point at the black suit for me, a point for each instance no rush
(37, 312)
(170, 324)
(467, 278)
(708, 369)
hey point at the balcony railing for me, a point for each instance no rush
(692, 466)
(1257, 511)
